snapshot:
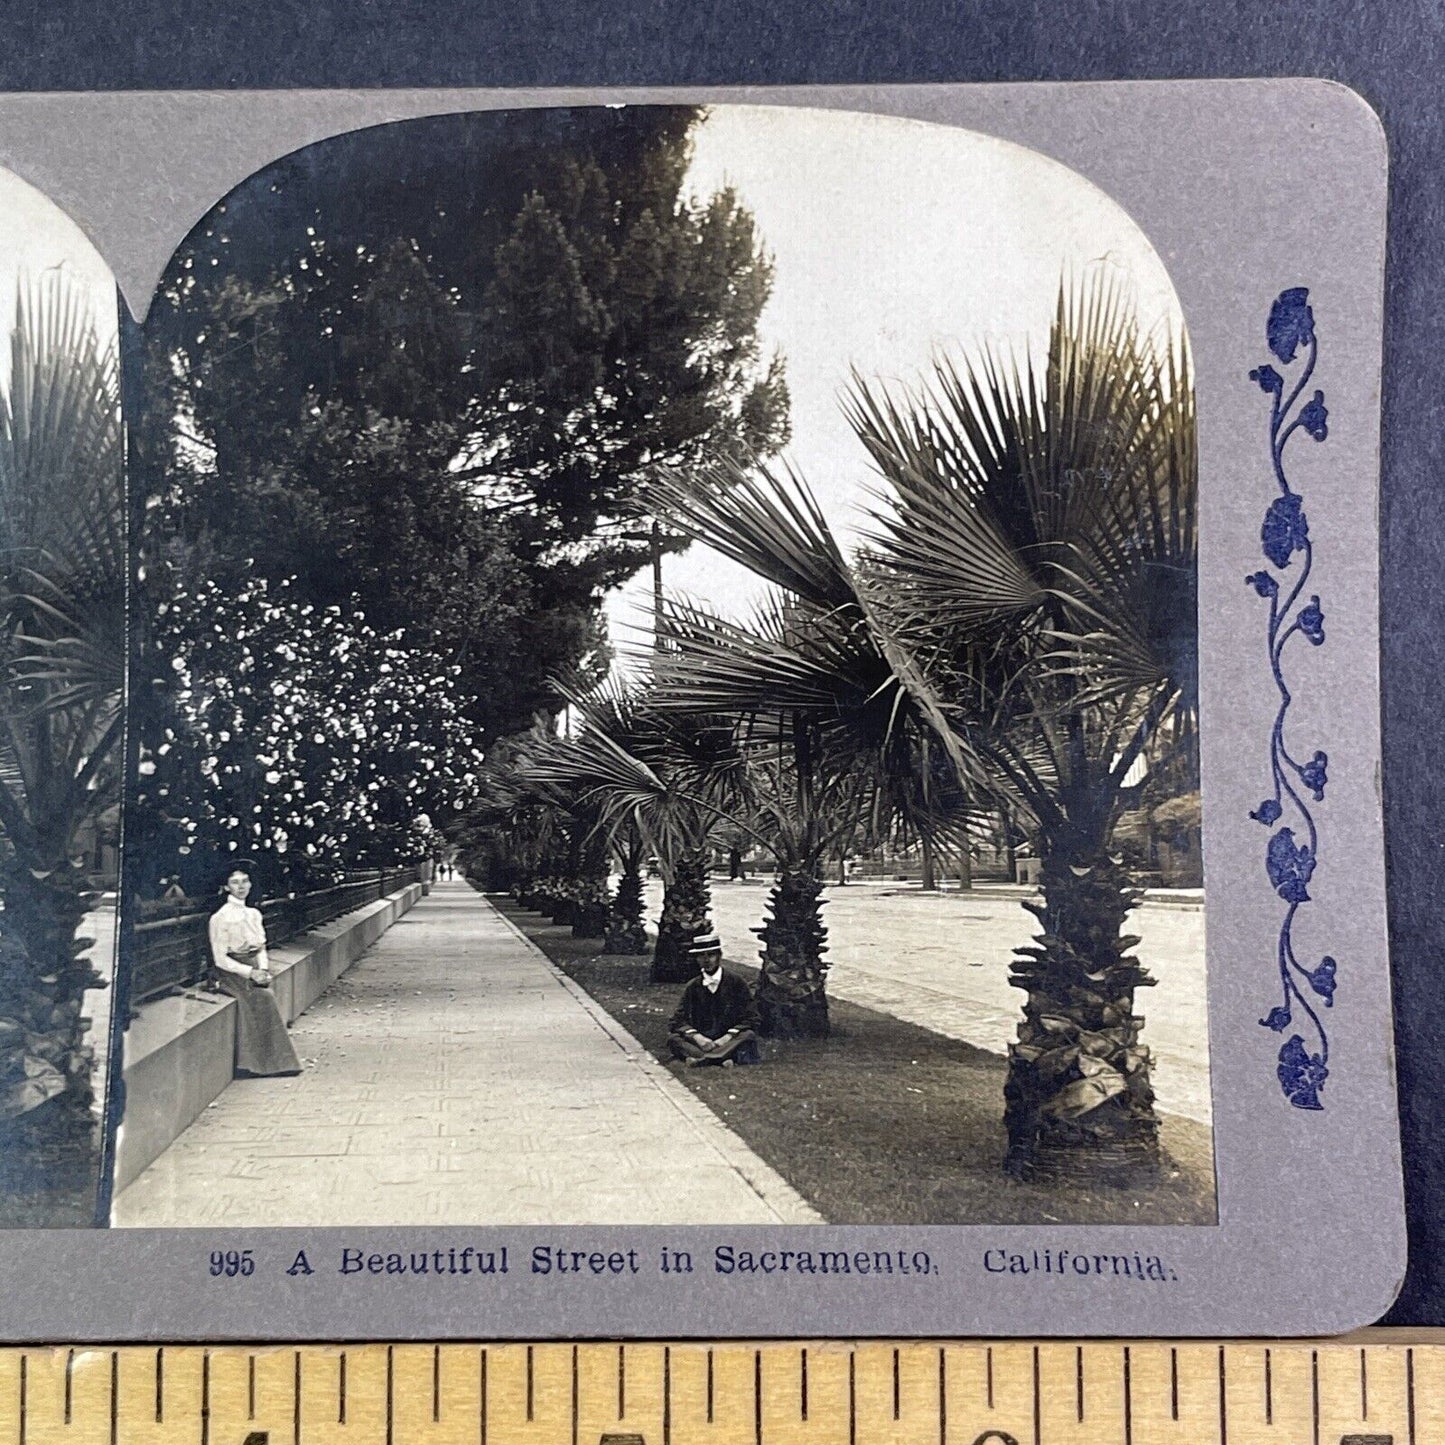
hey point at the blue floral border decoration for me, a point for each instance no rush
(1293, 850)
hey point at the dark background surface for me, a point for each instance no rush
(1392, 53)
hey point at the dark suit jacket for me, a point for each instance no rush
(713, 1014)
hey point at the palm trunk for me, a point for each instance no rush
(1010, 853)
(965, 869)
(591, 905)
(929, 880)
(48, 1133)
(686, 899)
(1079, 1104)
(792, 998)
(626, 932)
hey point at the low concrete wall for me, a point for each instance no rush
(180, 1051)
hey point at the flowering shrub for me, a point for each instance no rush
(297, 735)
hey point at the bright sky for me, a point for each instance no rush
(35, 234)
(892, 240)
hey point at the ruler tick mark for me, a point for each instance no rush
(1364, 1388)
(621, 1381)
(160, 1385)
(1410, 1395)
(1223, 1403)
(988, 1376)
(803, 1383)
(852, 1399)
(1128, 1399)
(24, 1396)
(529, 1383)
(709, 1387)
(574, 1395)
(942, 1397)
(1315, 1394)
(1038, 1401)
(758, 1396)
(69, 1382)
(296, 1400)
(251, 1388)
(1268, 1389)
(896, 1400)
(206, 1394)
(436, 1383)
(341, 1390)
(666, 1396)
(114, 1396)
(1079, 1382)
(482, 1400)
(1173, 1383)
(391, 1397)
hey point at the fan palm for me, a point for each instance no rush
(1040, 537)
(62, 650)
(546, 834)
(662, 781)
(834, 736)
(1030, 602)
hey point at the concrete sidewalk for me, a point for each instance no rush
(453, 1076)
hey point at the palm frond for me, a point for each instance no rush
(62, 530)
(765, 519)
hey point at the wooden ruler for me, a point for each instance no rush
(1374, 1389)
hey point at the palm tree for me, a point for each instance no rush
(62, 651)
(626, 928)
(664, 782)
(1029, 601)
(538, 822)
(834, 738)
(1040, 534)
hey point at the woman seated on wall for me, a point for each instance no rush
(238, 951)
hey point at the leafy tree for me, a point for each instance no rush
(62, 650)
(429, 366)
(298, 736)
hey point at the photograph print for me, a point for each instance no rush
(62, 668)
(664, 689)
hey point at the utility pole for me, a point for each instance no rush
(656, 540)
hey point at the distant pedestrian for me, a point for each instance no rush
(243, 970)
(716, 1019)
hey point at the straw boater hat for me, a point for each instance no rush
(705, 943)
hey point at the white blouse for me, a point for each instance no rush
(235, 926)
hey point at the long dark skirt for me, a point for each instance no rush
(263, 1046)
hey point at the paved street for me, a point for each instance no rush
(453, 1076)
(941, 961)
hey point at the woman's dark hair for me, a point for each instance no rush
(243, 869)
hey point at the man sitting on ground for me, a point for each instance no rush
(715, 1018)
